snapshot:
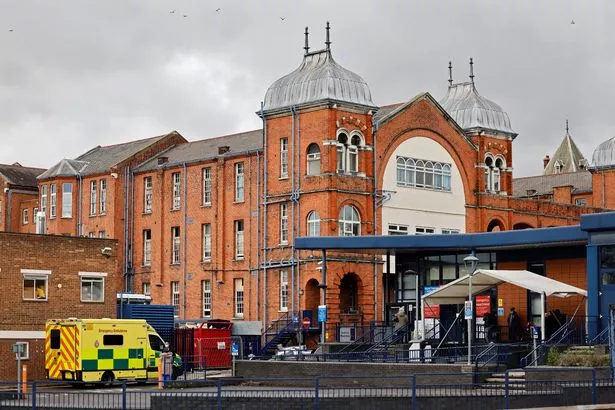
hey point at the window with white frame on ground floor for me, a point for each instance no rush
(206, 286)
(147, 247)
(103, 195)
(206, 242)
(447, 231)
(92, 286)
(238, 285)
(25, 216)
(146, 288)
(67, 200)
(35, 284)
(147, 195)
(175, 296)
(93, 197)
(398, 229)
(239, 251)
(283, 290)
(424, 230)
(349, 221)
(175, 245)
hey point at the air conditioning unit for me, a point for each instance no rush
(40, 223)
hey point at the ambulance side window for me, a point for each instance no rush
(156, 343)
(55, 339)
(113, 340)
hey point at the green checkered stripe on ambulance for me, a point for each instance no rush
(113, 359)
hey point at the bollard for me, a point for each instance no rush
(34, 396)
(24, 380)
(316, 394)
(160, 384)
(124, 395)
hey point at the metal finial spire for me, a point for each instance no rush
(567, 130)
(306, 47)
(328, 41)
(472, 70)
(450, 74)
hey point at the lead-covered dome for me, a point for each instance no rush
(604, 155)
(474, 112)
(318, 78)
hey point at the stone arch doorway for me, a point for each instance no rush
(522, 225)
(312, 298)
(495, 226)
(350, 290)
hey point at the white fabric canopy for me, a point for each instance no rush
(456, 292)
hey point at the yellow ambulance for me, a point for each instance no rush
(103, 350)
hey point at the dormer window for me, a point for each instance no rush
(558, 167)
(348, 152)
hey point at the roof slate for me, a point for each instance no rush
(568, 155)
(19, 175)
(543, 184)
(205, 149)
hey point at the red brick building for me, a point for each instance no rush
(209, 225)
(18, 198)
(45, 276)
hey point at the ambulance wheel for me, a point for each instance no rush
(108, 378)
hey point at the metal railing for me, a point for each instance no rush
(273, 334)
(421, 390)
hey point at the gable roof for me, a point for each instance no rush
(100, 159)
(19, 175)
(543, 184)
(206, 149)
(567, 158)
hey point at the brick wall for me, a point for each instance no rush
(64, 257)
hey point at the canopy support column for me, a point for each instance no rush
(543, 330)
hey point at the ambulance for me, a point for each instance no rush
(104, 350)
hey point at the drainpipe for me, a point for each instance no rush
(79, 186)
(258, 230)
(185, 228)
(374, 209)
(293, 112)
(603, 191)
(132, 231)
(126, 171)
(298, 272)
(264, 217)
(9, 225)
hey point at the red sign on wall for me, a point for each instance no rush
(483, 305)
(431, 311)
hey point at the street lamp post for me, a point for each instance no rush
(473, 261)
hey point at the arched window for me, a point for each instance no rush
(349, 221)
(348, 152)
(446, 177)
(313, 224)
(499, 166)
(401, 171)
(342, 141)
(488, 173)
(313, 159)
(428, 174)
(437, 176)
(420, 173)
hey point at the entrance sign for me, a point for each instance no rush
(467, 311)
(483, 305)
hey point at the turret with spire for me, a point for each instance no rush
(567, 157)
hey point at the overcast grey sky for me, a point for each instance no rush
(79, 73)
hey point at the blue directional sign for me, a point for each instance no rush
(322, 313)
(234, 349)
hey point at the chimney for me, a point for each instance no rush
(163, 160)
(545, 161)
(223, 149)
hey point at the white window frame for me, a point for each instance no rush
(239, 182)
(53, 201)
(206, 230)
(44, 198)
(147, 195)
(177, 183)
(92, 235)
(353, 158)
(206, 174)
(93, 198)
(67, 200)
(424, 174)
(92, 277)
(398, 229)
(35, 275)
(102, 234)
(283, 158)
(238, 298)
(347, 225)
(284, 224)
(146, 288)
(313, 224)
(175, 296)
(239, 239)
(580, 201)
(25, 216)
(449, 231)
(340, 158)
(424, 230)
(175, 245)
(147, 247)
(206, 297)
(283, 291)
(313, 160)
(103, 196)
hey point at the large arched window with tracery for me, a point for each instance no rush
(349, 221)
